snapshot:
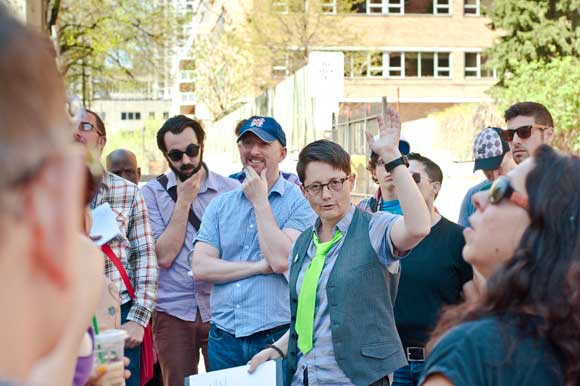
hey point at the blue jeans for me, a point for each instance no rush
(134, 354)
(226, 351)
(409, 375)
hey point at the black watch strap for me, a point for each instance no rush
(402, 160)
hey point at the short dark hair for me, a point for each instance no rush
(431, 168)
(372, 164)
(239, 127)
(324, 151)
(100, 124)
(530, 109)
(176, 125)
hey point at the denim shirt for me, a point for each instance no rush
(256, 303)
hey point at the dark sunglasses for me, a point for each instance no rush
(176, 155)
(502, 188)
(523, 132)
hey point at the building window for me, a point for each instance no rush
(476, 68)
(471, 7)
(355, 64)
(443, 68)
(280, 6)
(130, 116)
(280, 66)
(475, 7)
(328, 7)
(397, 64)
(386, 7)
(375, 64)
(165, 115)
(151, 114)
(441, 7)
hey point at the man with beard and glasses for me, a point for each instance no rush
(176, 201)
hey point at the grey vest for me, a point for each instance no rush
(361, 293)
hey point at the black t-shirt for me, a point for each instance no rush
(431, 276)
(488, 352)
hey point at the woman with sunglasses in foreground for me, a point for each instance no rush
(525, 329)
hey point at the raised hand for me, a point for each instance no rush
(255, 186)
(386, 145)
(188, 189)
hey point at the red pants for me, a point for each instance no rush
(178, 343)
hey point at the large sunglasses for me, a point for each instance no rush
(502, 188)
(176, 155)
(523, 132)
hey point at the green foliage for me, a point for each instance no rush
(224, 71)
(457, 127)
(555, 85)
(538, 30)
(141, 142)
(107, 45)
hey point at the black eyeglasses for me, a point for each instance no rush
(334, 185)
(176, 155)
(502, 188)
(523, 132)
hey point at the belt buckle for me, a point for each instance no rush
(415, 354)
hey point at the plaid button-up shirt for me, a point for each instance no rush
(135, 246)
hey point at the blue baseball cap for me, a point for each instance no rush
(266, 128)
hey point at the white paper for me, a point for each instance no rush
(265, 375)
(104, 224)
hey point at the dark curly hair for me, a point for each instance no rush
(543, 276)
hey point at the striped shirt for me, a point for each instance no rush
(135, 246)
(256, 303)
(320, 361)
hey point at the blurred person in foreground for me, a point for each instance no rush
(41, 189)
(524, 238)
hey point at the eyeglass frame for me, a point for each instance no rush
(190, 153)
(508, 134)
(506, 191)
(82, 127)
(341, 180)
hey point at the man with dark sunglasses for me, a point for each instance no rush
(134, 246)
(176, 201)
(530, 125)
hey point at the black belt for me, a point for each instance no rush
(415, 354)
(272, 330)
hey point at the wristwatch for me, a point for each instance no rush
(402, 160)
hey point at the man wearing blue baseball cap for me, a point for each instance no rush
(385, 198)
(246, 123)
(243, 246)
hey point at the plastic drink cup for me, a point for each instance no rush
(108, 357)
